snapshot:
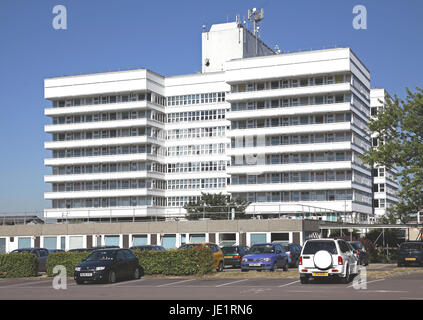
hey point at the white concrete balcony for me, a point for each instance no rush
(98, 125)
(197, 175)
(103, 176)
(110, 212)
(52, 145)
(309, 147)
(290, 167)
(109, 107)
(103, 193)
(293, 186)
(305, 208)
(288, 111)
(193, 192)
(102, 159)
(288, 92)
(308, 128)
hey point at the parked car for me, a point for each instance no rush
(217, 253)
(410, 253)
(227, 243)
(361, 253)
(108, 265)
(93, 249)
(324, 258)
(41, 254)
(232, 256)
(55, 250)
(265, 256)
(148, 247)
(293, 252)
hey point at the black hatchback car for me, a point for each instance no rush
(108, 265)
(410, 253)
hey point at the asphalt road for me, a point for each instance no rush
(192, 288)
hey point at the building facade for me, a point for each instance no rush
(283, 131)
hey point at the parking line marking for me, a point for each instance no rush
(168, 284)
(232, 282)
(367, 282)
(288, 284)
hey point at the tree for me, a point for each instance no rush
(399, 127)
(215, 206)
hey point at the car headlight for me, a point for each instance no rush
(100, 268)
(244, 259)
(78, 269)
(266, 259)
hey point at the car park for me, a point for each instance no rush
(410, 253)
(216, 251)
(108, 265)
(326, 258)
(265, 256)
(232, 255)
(41, 255)
(149, 248)
(361, 253)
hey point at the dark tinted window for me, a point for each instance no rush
(129, 255)
(121, 255)
(311, 247)
(343, 246)
(411, 246)
(100, 255)
(262, 248)
(229, 250)
(356, 245)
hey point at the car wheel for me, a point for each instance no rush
(220, 267)
(346, 279)
(112, 277)
(136, 274)
(303, 280)
(273, 268)
(79, 281)
(285, 267)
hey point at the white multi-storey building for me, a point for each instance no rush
(282, 131)
(385, 185)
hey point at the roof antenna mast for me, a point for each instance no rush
(256, 16)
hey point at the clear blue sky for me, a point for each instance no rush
(165, 36)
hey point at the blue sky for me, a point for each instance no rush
(165, 36)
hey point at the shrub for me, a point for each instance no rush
(18, 265)
(67, 259)
(176, 262)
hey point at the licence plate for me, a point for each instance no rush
(320, 274)
(255, 264)
(86, 274)
(228, 257)
(410, 259)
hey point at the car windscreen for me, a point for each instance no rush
(411, 246)
(356, 245)
(101, 255)
(311, 247)
(261, 248)
(229, 250)
(190, 246)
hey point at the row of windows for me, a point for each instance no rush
(136, 96)
(291, 102)
(110, 202)
(291, 83)
(243, 160)
(112, 133)
(106, 151)
(203, 115)
(112, 167)
(287, 177)
(196, 166)
(291, 121)
(191, 99)
(109, 185)
(204, 183)
(256, 141)
(187, 133)
(198, 149)
(181, 200)
(295, 196)
(111, 116)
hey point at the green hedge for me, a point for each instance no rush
(171, 262)
(67, 259)
(18, 265)
(176, 262)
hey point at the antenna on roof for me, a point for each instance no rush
(255, 17)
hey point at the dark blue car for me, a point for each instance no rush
(265, 256)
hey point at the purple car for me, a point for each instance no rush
(265, 256)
